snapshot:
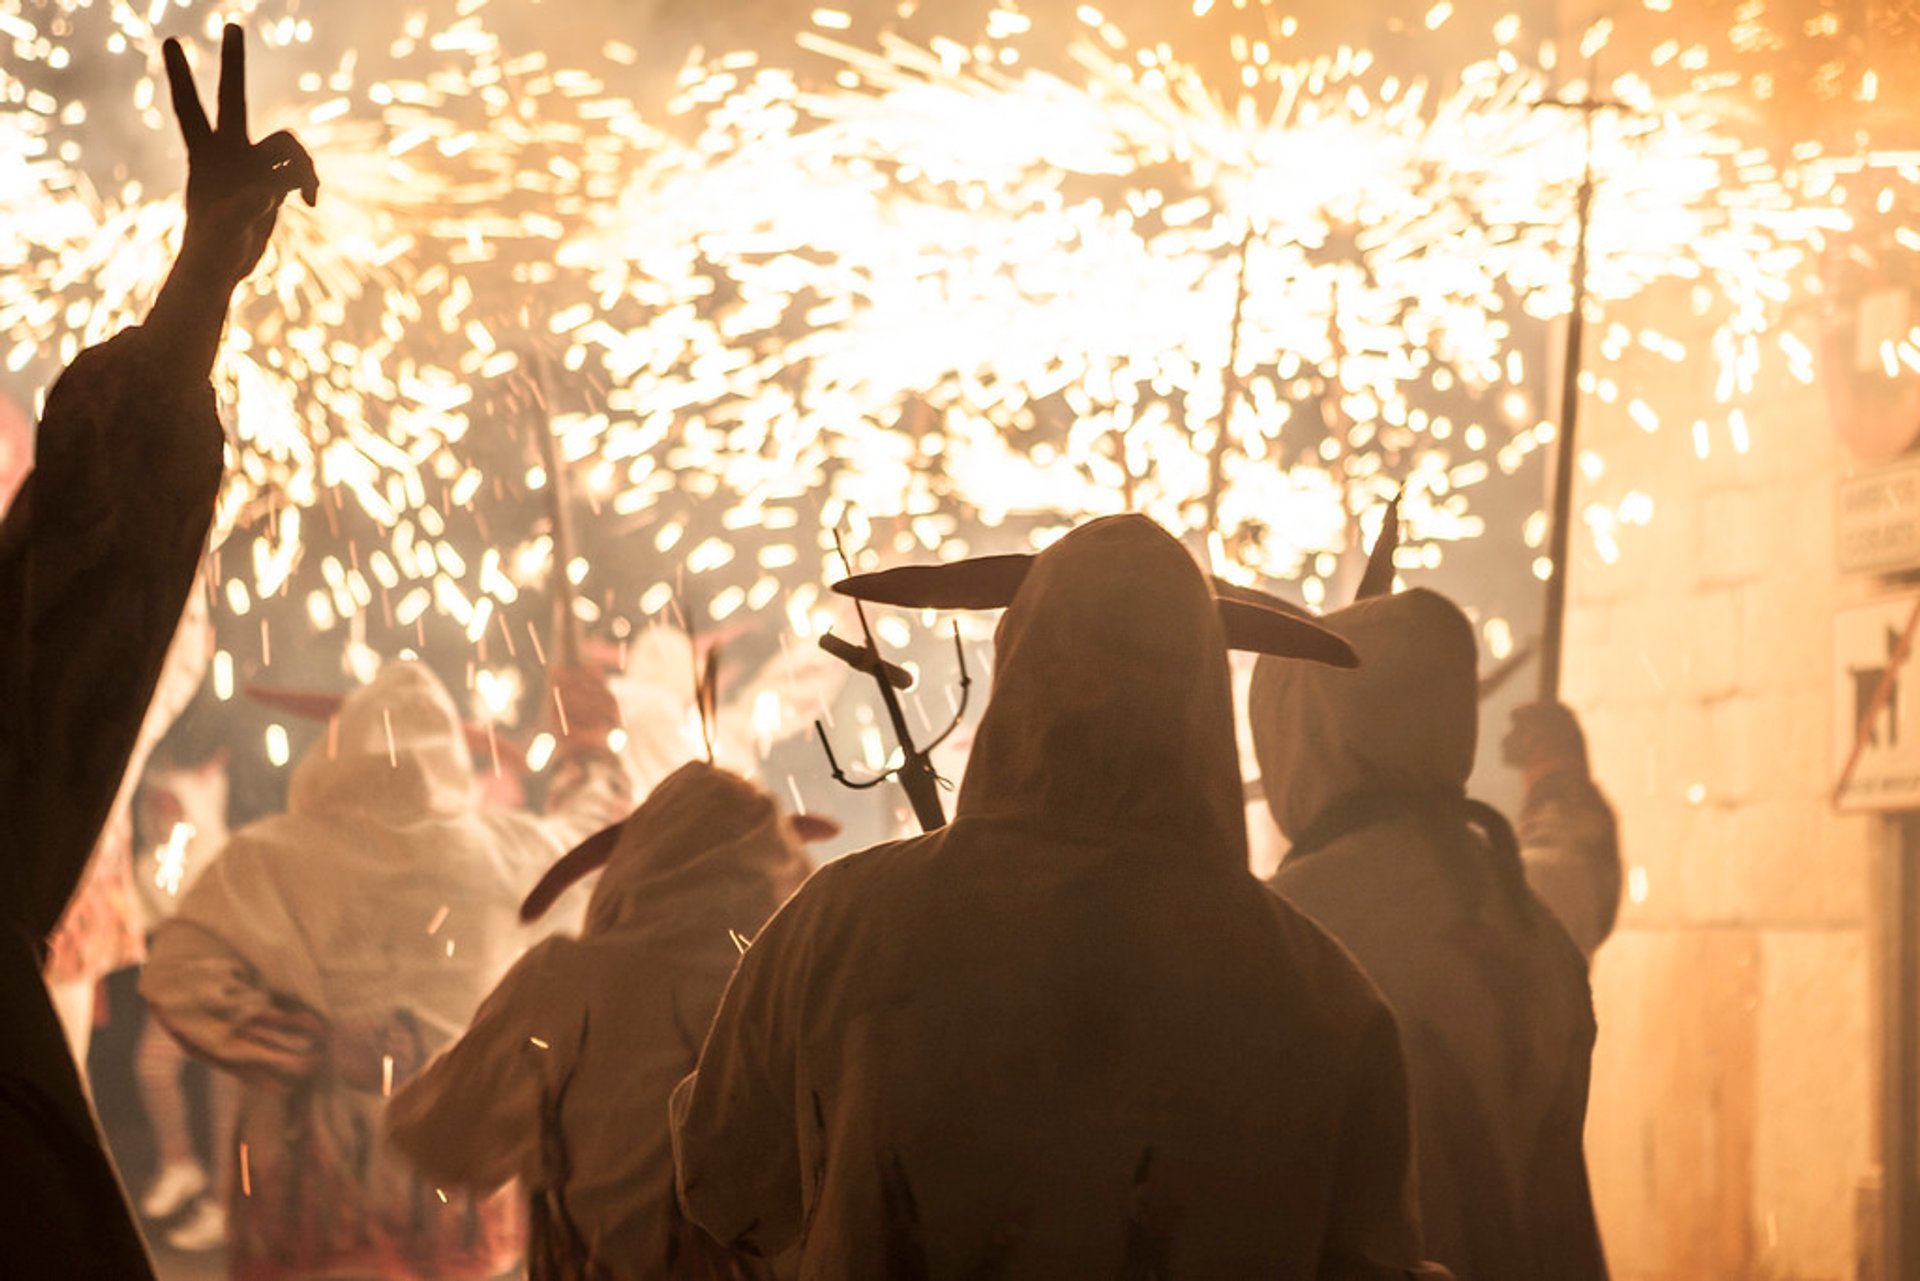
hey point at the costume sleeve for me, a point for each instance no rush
(736, 1144)
(214, 1003)
(472, 1117)
(97, 556)
(1373, 1225)
(1570, 845)
(207, 976)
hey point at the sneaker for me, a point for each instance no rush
(204, 1229)
(172, 1189)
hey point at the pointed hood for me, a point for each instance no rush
(1406, 720)
(397, 752)
(1111, 719)
(706, 851)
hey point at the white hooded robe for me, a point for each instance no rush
(381, 908)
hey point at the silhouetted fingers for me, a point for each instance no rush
(291, 166)
(233, 84)
(186, 102)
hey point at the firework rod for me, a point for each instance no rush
(557, 492)
(1229, 393)
(1554, 624)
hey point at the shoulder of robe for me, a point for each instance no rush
(1326, 966)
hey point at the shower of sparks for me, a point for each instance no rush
(933, 296)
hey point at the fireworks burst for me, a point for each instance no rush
(931, 294)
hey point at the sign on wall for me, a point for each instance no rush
(1878, 516)
(1876, 701)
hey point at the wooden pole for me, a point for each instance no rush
(1229, 395)
(558, 494)
(1560, 498)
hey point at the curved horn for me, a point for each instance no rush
(588, 856)
(1265, 630)
(1225, 590)
(1378, 580)
(982, 582)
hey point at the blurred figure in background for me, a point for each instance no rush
(1569, 839)
(564, 1077)
(97, 558)
(1365, 773)
(180, 824)
(328, 951)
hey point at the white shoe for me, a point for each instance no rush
(172, 1189)
(205, 1229)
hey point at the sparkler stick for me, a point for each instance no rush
(558, 495)
(915, 771)
(1229, 395)
(1560, 503)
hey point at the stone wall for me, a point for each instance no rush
(1732, 1126)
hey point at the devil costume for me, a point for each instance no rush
(1366, 775)
(1068, 1034)
(564, 1077)
(329, 950)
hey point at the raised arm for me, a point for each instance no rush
(98, 553)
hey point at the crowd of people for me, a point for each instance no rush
(1067, 1034)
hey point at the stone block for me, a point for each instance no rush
(1813, 1141)
(1736, 748)
(1670, 1125)
(1739, 533)
(1785, 642)
(1711, 659)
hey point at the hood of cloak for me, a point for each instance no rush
(1112, 715)
(706, 851)
(1111, 721)
(1406, 720)
(397, 752)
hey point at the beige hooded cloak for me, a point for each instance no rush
(1068, 1034)
(1366, 774)
(571, 1061)
(364, 925)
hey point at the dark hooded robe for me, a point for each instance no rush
(97, 557)
(1366, 775)
(564, 1076)
(1069, 1034)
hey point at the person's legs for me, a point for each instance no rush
(206, 1227)
(180, 1176)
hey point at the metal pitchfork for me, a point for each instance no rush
(915, 771)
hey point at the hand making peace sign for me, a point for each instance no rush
(234, 186)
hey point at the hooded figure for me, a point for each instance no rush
(1068, 1034)
(564, 1077)
(329, 950)
(1366, 774)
